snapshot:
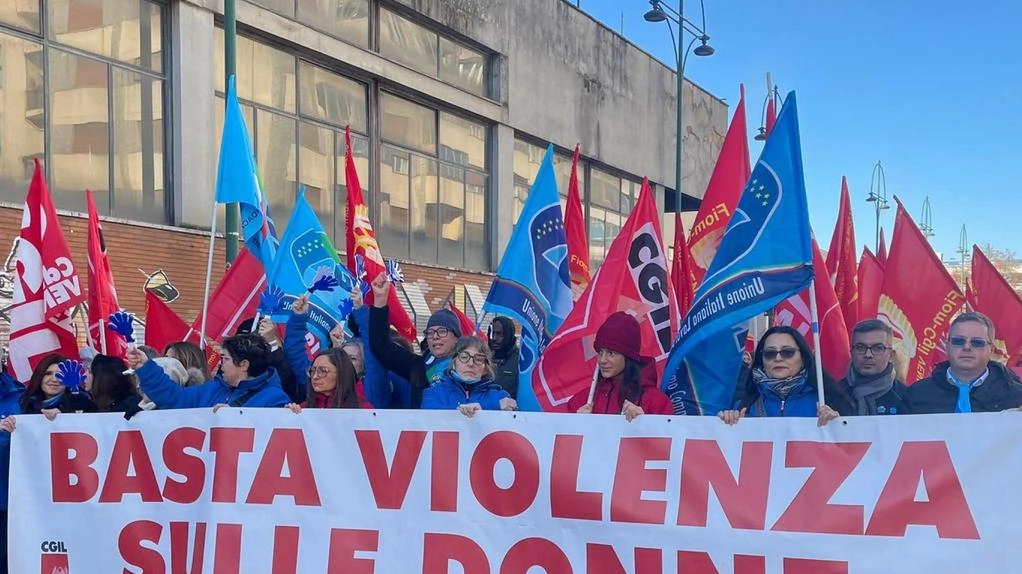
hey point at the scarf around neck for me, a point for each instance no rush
(867, 390)
(782, 387)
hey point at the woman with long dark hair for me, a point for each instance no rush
(112, 390)
(45, 394)
(331, 383)
(622, 386)
(782, 382)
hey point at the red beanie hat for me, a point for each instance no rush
(621, 333)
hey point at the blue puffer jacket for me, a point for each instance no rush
(169, 395)
(10, 392)
(801, 402)
(447, 394)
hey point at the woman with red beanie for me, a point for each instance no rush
(621, 387)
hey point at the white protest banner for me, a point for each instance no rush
(259, 491)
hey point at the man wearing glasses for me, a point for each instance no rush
(969, 382)
(871, 381)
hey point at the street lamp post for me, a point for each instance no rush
(926, 221)
(661, 13)
(963, 252)
(878, 196)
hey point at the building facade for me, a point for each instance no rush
(451, 104)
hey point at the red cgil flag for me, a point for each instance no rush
(795, 311)
(235, 299)
(633, 278)
(575, 231)
(918, 299)
(993, 296)
(102, 295)
(841, 260)
(360, 239)
(46, 285)
(729, 177)
(871, 279)
(682, 279)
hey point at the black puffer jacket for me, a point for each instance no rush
(935, 394)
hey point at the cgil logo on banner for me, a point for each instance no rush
(53, 557)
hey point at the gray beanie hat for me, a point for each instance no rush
(445, 318)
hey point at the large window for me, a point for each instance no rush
(611, 200)
(101, 106)
(345, 19)
(296, 113)
(528, 157)
(424, 50)
(433, 185)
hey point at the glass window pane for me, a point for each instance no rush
(408, 124)
(316, 154)
(333, 98)
(605, 189)
(629, 194)
(124, 30)
(138, 147)
(477, 254)
(395, 207)
(21, 13)
(462, 141)
(527, 159)
(266, 75)
(285, 7)
(406, 42)
(451, 215)
(597, 233)
(425, 216)
(463, 67)
(360, 153)
(21, 114)
(275, 157)
(562, 167)
(79, 138)
(346, 19)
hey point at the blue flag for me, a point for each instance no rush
(305, 259)
(764, 257)
(237, 181)
(532, 284)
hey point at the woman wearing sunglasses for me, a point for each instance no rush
(331, 383)
(782, 382)
(467, 385)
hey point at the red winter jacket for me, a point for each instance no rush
(606, 401)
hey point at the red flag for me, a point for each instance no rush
(633, 278)
(102, 295)
(871, 279)
(771, 113)
(918, 298)
(795, 311)
(682, 280)
(361, 240)
(46, 285)
(162, 325)
(235, 299)
(575, 230)
(882, 250)
(729, 177)
(468, 328)
(993, 296)
(841, 260)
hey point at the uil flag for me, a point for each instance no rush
(361, 244)
(841, 261)
(575, 231)
(764, 257)
(102, 295)
(918, 298)
(729, 177)
(795, 311)
(871, 279)
(237, 181)
(46, 285)
(993, 296)
(632, 279)
(532, 284)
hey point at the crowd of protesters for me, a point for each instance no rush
(368, 365)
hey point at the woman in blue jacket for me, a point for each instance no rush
(467, 385)
(782, 381)
(246, 378)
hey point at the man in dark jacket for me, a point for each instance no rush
(968, 382)
(504, 344)
(871, 381)
(442, 332)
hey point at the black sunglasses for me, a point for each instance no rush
(975, 342)
(785, 353)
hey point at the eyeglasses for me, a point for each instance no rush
(318, 372)
(785, 353)
(975, 342)
(877, 349)
(437, 332)
(465, 357)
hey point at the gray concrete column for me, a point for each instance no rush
(502, 191)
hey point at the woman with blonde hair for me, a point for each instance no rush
(467, 385)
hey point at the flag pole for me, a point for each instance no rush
(592, 387)
(209, 274)
(102, 335)
(816, 341)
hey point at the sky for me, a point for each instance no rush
(931, 89)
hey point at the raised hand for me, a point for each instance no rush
(381, 290)
(267, 330)
(136, 358)
(301, 305)
(71, 374)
